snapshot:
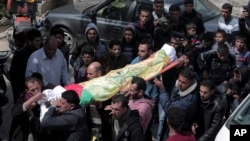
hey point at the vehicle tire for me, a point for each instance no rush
(69, 39)
(4, 21)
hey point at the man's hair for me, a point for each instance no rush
(32, 34)
(32, 80)
(174, 7)
(188, 2)
(191, 26)
(120, 98)
(148, 41)
(175, 118)
(144, 8)
(237, 70)
(114, 42)
(37, 75)
(223, 49)
(187, 73)
(208, 83)
(57, 31)
(219, 31)
(88, 49)
(158, 1)
(71, 97)
(140, 82)
(241, 37)
(227, 6)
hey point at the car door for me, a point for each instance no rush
(112, 18)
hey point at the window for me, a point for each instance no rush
(116, 10)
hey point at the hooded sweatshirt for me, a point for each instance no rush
(243, 87)
(101, 48)
(129, 49)
(144, 107)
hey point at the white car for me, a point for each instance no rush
(241, 116)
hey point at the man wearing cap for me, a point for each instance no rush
(217, 66)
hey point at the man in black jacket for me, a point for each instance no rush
(66, 120)
(211, 111)
(190, 15)
(19, 62)
(244, 22)
(217, 66)
(125, 123)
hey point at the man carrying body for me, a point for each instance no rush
(125, 122)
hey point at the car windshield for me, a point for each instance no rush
(204, 7)
(207, 9)
(95, 6)
(242, 115)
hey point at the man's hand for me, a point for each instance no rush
(158, 83)
(244, 14)
(55, 102)
(183, 61)
(193, 127)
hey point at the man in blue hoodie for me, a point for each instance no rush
(93, 38)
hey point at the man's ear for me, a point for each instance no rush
(72, 106)
(151, 52)
(99, 73)
(141, 92)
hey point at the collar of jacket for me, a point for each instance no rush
(188, 90)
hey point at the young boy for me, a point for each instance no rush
(239, 50)
(114, 59)
(220, 38)
(238, 88)
(191, 33)
(88, 56)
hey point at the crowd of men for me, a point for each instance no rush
(189, 102)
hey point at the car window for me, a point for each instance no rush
(243, 114)
(116, 10)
